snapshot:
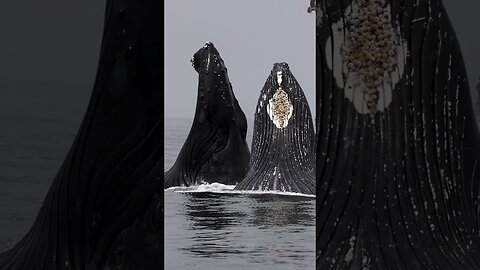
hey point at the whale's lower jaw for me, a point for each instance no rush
(283, 153)
(291, 179)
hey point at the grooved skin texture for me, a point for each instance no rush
(282, 159)
(216, 149)
(110, 182)
(401, 192)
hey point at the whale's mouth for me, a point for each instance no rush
(207, 58)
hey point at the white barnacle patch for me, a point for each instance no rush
(280, 109)
(372, 55)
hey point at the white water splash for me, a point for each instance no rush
(213, 187)
(229, 189)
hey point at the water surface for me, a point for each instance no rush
(38, 122)
(207, 230)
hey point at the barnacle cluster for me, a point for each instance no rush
(370, 51)
(280, 109)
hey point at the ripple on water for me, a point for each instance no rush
(213, 226)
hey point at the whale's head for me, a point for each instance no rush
(215, 93)
(207, 60)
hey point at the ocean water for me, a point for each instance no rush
(38, 122)
(211, 227)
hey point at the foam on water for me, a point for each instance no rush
(229, 189)
(213, 187)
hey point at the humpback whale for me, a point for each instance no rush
(104, 208)
(215, 149)
(398, 147)
(283, 145)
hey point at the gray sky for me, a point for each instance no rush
(50, 40)
(250, 35)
